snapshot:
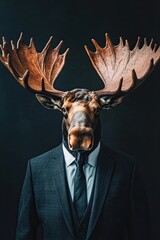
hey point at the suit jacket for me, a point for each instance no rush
(119, 209)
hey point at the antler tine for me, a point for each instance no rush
(4, 42)
(32, 44)
(12, 45)
(20, 40)
(150, 44)
(97, 47)
(121, 42)
(91, 56)
(4, 48)
(138, 42)
(108, 42)
(127, 44)
(155, 47)
(48, 45)
(59, 45)
(60, 62)
(117, 62)
(42, 55)
(145, 41)
(34, 71)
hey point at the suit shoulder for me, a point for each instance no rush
(120, 157)
(44, 158)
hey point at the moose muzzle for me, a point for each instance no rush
(80, 133)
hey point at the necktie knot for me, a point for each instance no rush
(81, 159)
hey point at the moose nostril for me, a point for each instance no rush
(80, 139)
(73, 141)
(90, 146)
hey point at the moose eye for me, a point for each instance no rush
(63, 110)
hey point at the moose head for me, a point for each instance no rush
(120, 69)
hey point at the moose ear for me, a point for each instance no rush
(107, 103)
(49, 102)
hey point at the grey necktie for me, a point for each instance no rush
(80, 189)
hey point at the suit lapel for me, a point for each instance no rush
(61, 188)
(103, 177)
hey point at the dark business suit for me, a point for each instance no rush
(118, 212)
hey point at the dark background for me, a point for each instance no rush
(27, 129)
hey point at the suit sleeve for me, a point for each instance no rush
(139, 222)
(27, 219)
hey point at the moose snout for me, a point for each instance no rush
(80, 138)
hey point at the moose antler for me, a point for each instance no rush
(120, 68)
(34, 71)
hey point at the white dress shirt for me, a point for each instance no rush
(89, 170)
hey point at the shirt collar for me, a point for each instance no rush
(92, 158)
(68, 157)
